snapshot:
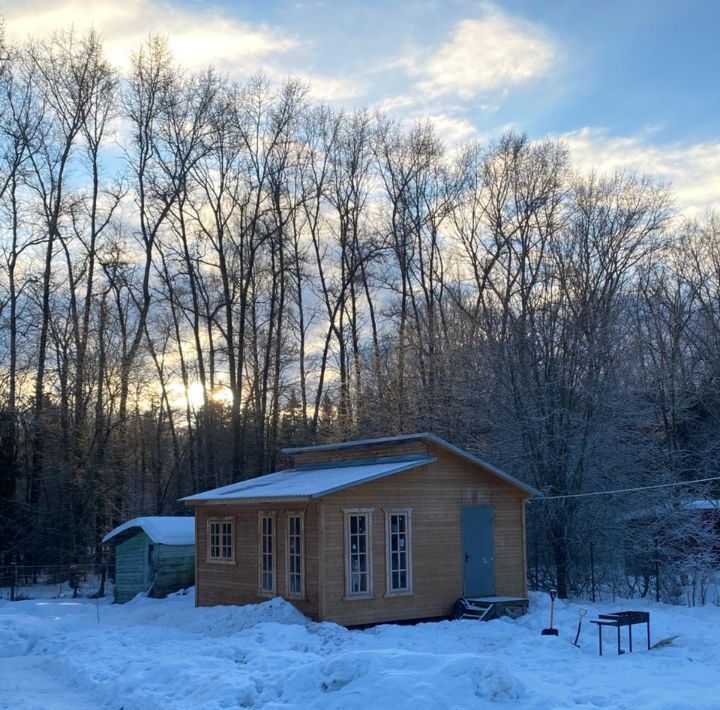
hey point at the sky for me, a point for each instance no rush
(625, 83)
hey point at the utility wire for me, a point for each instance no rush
(625, 490)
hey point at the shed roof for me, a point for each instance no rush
(421, 436)
(674, 507)
(706, 504)
(311, 482)
(161, 529)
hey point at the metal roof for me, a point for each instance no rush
(422, 436)
(310, 482)
(161, 529)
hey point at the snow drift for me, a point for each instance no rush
(151, 654)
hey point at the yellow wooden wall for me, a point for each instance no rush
(353, 453)
(436, 493)
(238, 582)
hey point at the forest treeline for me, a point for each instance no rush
(195, 272)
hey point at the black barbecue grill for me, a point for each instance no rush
(620, 619)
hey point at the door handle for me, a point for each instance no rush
(467, 557)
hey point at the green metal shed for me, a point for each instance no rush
(154, 554)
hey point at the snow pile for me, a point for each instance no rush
(167, 654)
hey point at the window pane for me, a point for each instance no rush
(266, 549)
(295, 554)
(397, 551)
(357, 562)
(221, 540)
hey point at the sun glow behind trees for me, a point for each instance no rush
(195, 395)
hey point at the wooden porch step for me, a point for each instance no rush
(486, 608)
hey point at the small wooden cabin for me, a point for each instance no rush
(362, 532)
(154, 554)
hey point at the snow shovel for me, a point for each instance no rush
(551, 631)
(581, 613)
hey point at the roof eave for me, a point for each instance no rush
(410, 465)
(255, 500)
(415, 463)
(336, 446)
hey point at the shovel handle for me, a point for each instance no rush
(553, 594)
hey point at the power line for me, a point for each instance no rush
(626, 490)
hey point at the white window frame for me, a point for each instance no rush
(300, 515)
(265, 515)
(408, 589)
(221, 520)
(367, 594)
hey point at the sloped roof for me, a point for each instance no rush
(674, 507)
(706, 504)
(310, 482)
(161, 529)
(422, 436)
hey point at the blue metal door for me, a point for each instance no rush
(477, 551)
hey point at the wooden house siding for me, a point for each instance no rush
(356, 453)
(238, 582)
(436, 493)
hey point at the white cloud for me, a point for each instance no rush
(488, 54)
(451, 129)
(330, 88)
(397, 103)
(692, 169)
(321, 87)
(196, 37)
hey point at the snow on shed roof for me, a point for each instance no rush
(673, 507)
(422, 436)
(161, 529)
(706, 504)
(309, 482)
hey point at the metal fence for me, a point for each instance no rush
(18, 581)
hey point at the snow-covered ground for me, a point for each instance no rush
(156, 654)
